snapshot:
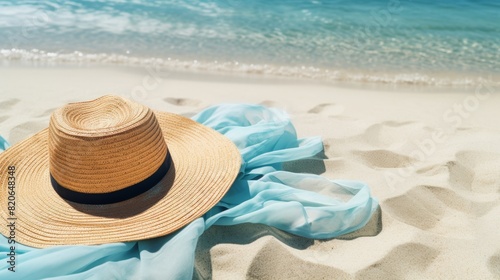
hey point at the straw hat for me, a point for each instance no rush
(111, 170)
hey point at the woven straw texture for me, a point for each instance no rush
(104, 145)
(204, 166)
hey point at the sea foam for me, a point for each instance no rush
(44, 58)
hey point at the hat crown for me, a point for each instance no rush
(104, 145)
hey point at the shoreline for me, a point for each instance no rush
(346, 76)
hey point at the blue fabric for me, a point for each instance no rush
(3, 144)
(262, 193)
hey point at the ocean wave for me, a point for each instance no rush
(40, 57)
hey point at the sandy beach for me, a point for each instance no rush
(431, 157)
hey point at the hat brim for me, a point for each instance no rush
(204, 166)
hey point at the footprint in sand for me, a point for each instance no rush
(46, 113)
(414, 257)
(263, 264)
(395, 123)
(414, 209)
(399, 135)
(388, 133)
(435, 208)
(382, 158)
(328, 109)
(474, 171)
(182, 101)
(270, 104)
(7, 104)
(432, 170)
(494, 264)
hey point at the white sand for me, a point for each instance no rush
(435, 172)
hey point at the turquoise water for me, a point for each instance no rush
(391, 41)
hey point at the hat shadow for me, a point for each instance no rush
(133, 206)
